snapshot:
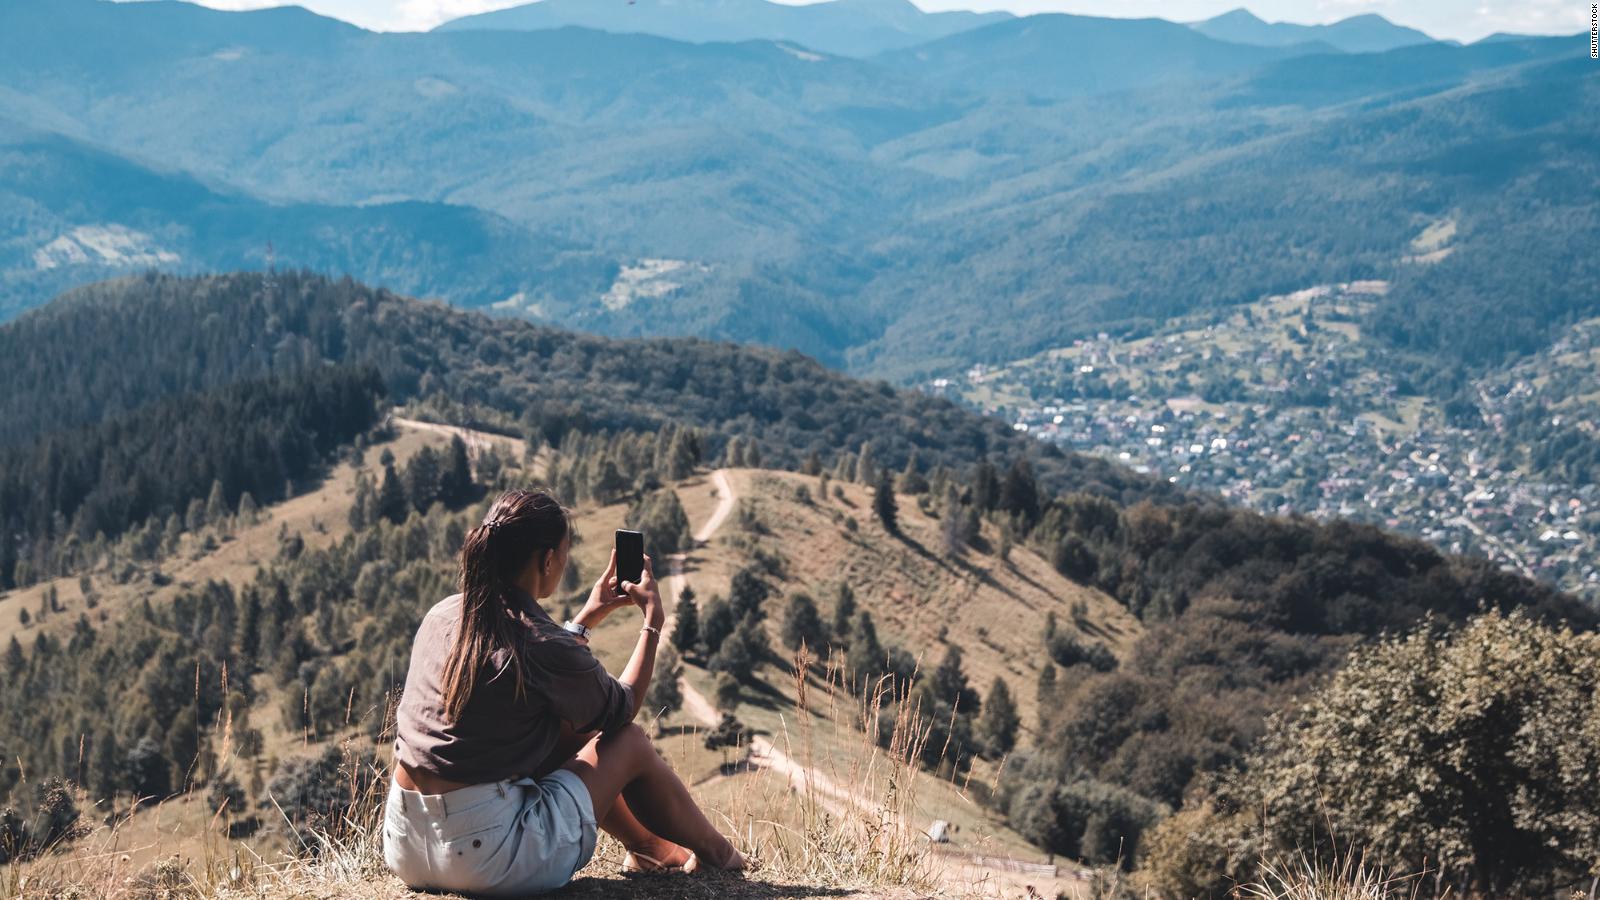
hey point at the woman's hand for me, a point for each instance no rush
(604, 598)
(646, 596)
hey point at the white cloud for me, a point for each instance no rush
(421, 15)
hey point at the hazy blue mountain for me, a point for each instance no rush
(1055, 55)
(76, 214)
(845, 27)
(990, 193)
(1366, 33)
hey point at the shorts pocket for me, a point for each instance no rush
(479, 820)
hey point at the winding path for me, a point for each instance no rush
(762, 751)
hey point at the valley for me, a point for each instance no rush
(1286, 406)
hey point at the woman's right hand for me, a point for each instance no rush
(646, 595)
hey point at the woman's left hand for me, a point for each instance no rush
(604, 598)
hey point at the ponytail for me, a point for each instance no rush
(520, 527)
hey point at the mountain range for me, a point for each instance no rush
(844, 27)
(1366, 33)
(981, 195)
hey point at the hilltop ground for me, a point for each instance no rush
(809, 779)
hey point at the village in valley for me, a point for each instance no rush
(1281, 406)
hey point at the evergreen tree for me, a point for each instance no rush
(747, 595)
(911, 480)
(686, 628)
(392, 503)
(812, 465)
(666, 695)
(884, 506)
(1047, 694)
(716, 625)
(866, 466)
(216, 505)
(15, 659)
(182, 748)
(249, 512)
(681, 455)
(844, 614)
(950, 683)
(248, 637)
(105, 771)
(455, 485)
(802, 624)
(147, 773)
(1019, 494)
(424, 477)
(985, 486)
(997, 728)
(865, 659)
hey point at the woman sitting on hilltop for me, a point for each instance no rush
(513, 741)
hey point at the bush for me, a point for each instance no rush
(1067, 651)
(1472, 753)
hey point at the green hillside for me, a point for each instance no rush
(874, 213)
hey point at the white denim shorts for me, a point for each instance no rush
(501, 838)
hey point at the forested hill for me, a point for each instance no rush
(115, 346)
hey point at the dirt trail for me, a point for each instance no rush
(964, 870)
(762, 751)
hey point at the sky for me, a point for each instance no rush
(1463, 20)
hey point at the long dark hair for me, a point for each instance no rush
(520, 527)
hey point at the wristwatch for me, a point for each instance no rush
(576, 630)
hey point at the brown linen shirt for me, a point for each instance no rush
(498, 736)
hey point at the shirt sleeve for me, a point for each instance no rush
(580, 690)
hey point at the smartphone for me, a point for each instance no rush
(630, 556)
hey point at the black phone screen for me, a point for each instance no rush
(630, 556)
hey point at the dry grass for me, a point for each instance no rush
(1350, 877)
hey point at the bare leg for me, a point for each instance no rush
(623, 765)
(651, 851)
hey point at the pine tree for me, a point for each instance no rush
(666, 696)
(104, 768)
(866, 466)
(865, 659)
(216, 505)
(997, 728)
(985, 486)
(812, 465)
(950, 683)
(884, 506)
(455, 485)
(424, 477)
(911, 480)
(1019, 494)
(844, 614)
(248, 510)
(392, 503)
(681, 456)
(686, 629)
(248, 636)
(15, 660)
(802, 624)
(1047, 694)
(361, 506)
(716, 625)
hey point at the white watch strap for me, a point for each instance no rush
(573, 627)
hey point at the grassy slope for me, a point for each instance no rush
(908, 587)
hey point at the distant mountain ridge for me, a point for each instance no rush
(842, 27)
(995, 192)
(1056, 54)
(1366, 33)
